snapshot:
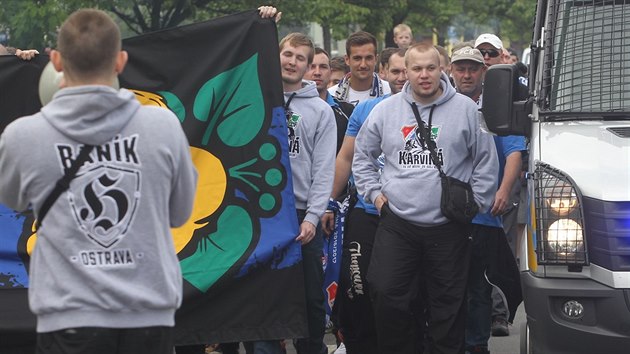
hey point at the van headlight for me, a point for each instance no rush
(559, 218)
(565, 236)
(561, 198)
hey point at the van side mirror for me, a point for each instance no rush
(505, 106)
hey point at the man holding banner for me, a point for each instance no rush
(312, 137)
(126, 177)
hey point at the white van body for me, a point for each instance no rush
(575, 263)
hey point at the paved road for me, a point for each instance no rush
(510, 344)
(498, 345)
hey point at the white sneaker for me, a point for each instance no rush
(341, 349)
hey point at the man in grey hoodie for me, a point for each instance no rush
(413, 236)
(104, 276)
(312, 148)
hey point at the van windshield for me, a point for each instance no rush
(587, 56)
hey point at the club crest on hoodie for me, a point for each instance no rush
(104, 197)
(415, 153)
(293, 119)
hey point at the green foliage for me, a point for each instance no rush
(338, 16)
(34, 23)
(509, 19)
(143, 16)
(433, 15)
(519, 22)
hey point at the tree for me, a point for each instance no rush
(509, 19)
(34, 23)
(518, 24)
(434, 15)
(143, 16)
(335, 16)
(422, 15)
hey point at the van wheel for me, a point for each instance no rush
(526, 345)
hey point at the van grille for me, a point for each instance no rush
(622, 132)
(587, 56)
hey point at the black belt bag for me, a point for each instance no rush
(457, 202)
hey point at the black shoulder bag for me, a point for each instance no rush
(63, 184)
(457, 202)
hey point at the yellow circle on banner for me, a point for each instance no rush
(149, 98)
(30, 243)
(211, 188)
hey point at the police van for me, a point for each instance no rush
(575, 265)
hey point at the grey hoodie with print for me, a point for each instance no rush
(409, 179)
(312, 148)
(104, 255)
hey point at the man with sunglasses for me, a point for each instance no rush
(491, 48)
(488, 236)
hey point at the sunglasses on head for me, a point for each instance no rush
(492, 53)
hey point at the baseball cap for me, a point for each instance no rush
(467, 53)
(490, 39)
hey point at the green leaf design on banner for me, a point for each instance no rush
(232, 103)
(224, 247)
(174, 104)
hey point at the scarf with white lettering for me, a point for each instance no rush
(344, 87)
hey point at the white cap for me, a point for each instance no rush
(490, 39)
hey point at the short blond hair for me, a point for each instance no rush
(422, 48)
(401, 28)
(297, 39)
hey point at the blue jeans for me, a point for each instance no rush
(263, 347)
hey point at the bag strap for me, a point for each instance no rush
(286, 105)
(63, 184)
(425, 134)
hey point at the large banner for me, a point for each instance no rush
(241, 265)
